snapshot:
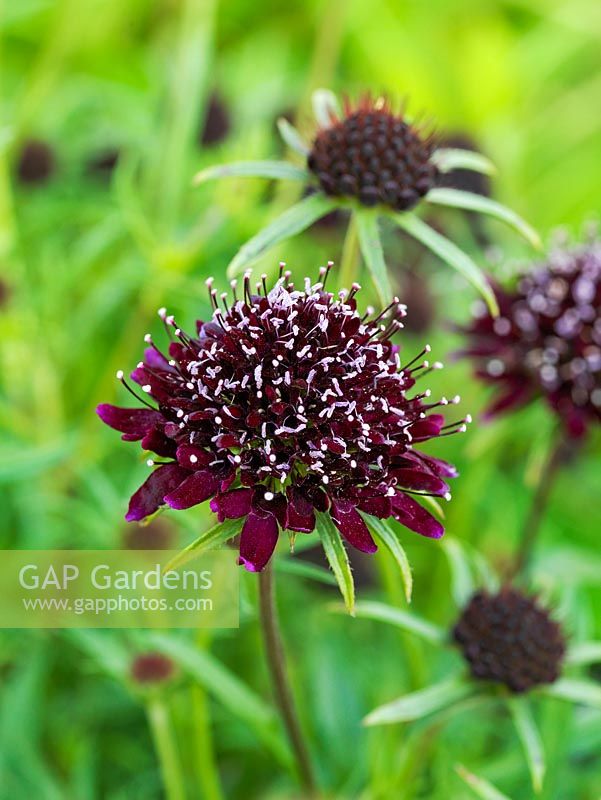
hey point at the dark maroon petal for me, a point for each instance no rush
(257, 541)
(193, 457)
(376, 506)
(415, 517)
(149, 496)
(156, 441)
(156, 360)
(194, 490)
(232, 505)
(439, 467)
(134, 422)
(420, 481)
(351, 525)
(300, 515)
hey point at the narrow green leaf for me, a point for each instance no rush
(252, 169)
(382, 531)
(325, 106)
(450, 158)
(584, 653)
(530, 738)
(479, 786)
(576, 690)
(370, 245)
(402, 619)
(337, 559)
(292, 221)
(469, 201)
(215, 536)
(450, 253)
(292, 137)
(226, 687)
(422, 703)
(462, 584)
(294, 566)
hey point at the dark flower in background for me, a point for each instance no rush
(5, 293)
(547, 339)
(36, 162)
(148, 668)
(217, 123)
(419, 299)
(374, 155)
(156, 535)
(103, 163)
(287, 403)
(464, 179)
(508, 638)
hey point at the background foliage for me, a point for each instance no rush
(88, 256)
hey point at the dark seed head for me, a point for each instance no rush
(508, 638)
(547, 340)
(149, 668)
(217, 122)
(375, 156)
(36, 162)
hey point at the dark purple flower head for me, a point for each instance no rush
(547, 339)
(288, 402)
(508, 638)
(375, 156)
(148, 668)
(36, 163)
(217, 122)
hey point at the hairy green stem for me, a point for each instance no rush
(276, 662)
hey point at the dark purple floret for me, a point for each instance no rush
(287, 403)
(508, 638)
(217, 122)
(36, 163)
(547, 340)
(375, 156)
(149, 668)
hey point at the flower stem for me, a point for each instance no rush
(166, 749)
(350, 251)
(538, 507)
(277, 667)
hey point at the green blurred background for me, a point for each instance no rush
(127, 95)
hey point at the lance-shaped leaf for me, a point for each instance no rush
(337, 559)
(450, 158)
(294, 566)
(462, 584)
(402, 619)
(480, 787)
(422, 703)
(530, 738)
(382, 531)
(292, 137)
(226, 687)
(576, 690)
(370, 245)
(294, 220)
(449, 253)
(584, 653)
(215, 536)
(325, 106)
(281, 170)
(455, 198)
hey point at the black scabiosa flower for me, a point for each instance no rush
(152, 668)
(36, 162)
(374, 155)
(547, 340)
(509, 638)
(287, 403)
(369, 161)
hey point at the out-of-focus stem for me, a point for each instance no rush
(538, 507)
(166, 748)
(276, 662)
(350, 252)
